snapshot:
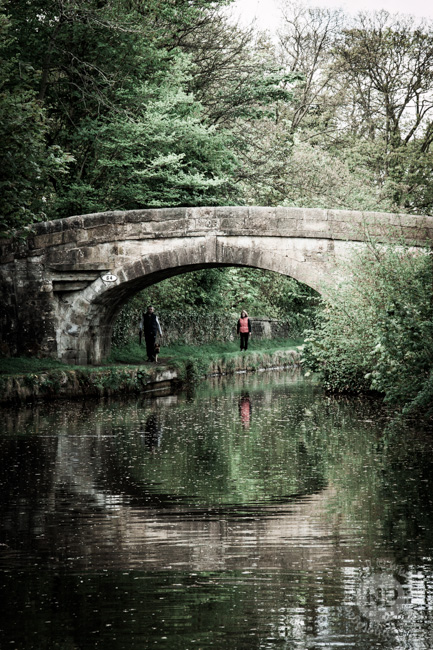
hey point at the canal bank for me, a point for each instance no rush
(168, 374)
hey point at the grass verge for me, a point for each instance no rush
(177, 355)
(23, 365)
(134, 353)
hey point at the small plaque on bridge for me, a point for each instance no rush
(109, 277)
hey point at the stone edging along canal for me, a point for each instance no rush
(85, 382)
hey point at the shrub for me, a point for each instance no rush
(376, 329)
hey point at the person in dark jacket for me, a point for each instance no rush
(151, 328)
(244, 329)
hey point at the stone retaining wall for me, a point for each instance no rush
(198, 329)
(104, 382)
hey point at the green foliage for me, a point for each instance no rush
(205, 305)
(112, 380)
(200, 290)
(126, 321)
(123, 105)
(376, 330)
(361, 118)
(28, 162)
(155, 151)
(386, 61)
(105, 83)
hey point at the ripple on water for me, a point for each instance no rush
(259, 513)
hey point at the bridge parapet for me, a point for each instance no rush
(91, 229)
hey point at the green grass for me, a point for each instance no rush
(32, 365)
(134, 354)
(24, 365)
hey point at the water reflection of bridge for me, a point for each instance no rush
(80, 519)
(103, 528)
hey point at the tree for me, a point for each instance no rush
(309, 162)
(388, 64)
(306, 41)
(365, 106)
(244, 90)
(155, 151)
(27, 160)
(227, 291)
(115, 92)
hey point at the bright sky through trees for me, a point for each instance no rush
(266, 12)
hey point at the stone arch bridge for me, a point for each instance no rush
(56, 302)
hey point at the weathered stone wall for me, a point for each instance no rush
(261, 328)
(270, 328)
(55, 302)
(197, 328)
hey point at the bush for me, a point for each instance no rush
(376, 329)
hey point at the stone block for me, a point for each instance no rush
(135, 270)
(49, 239)
(131, 231)
(154, 262)
(410, 221)
(254, 257)
(69, 286)
(94, 220)
(147, 231)
(72, 236)
(259, 224)
(282, 213)
(103, 233)
(314, 215)
(137, 216)
(203, 225)
(102, 218)
(231, 225)
(165, 260)
(168, 214)
(232, 213)
(56, 225)
(319, 228)
(174, 228)
(73, 223)
(202, 213)
(286, 227)
(6, 259)
(40, 228)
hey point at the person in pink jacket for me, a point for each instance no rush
(244, 329)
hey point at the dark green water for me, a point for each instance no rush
(256, 513)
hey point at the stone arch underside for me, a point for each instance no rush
(87, 319)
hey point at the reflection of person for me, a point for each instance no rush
(151, 328)
(152, 432)
(244, 329)
(245, 410)
(140, 329)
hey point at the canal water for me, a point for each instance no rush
(255, 513)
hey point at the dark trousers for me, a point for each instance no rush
(244, 340)
(150, 338)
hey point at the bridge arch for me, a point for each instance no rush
(56, 303)
(87, 329)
